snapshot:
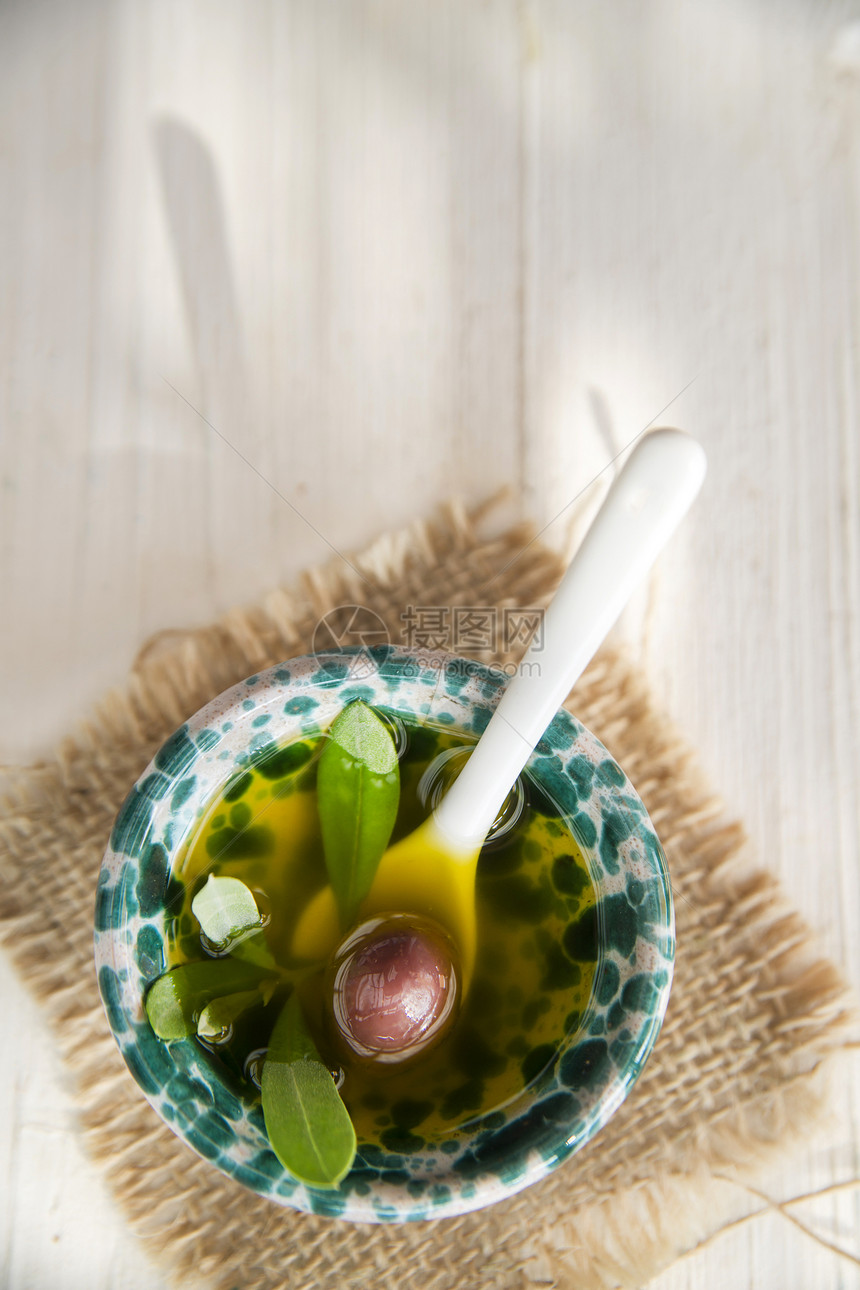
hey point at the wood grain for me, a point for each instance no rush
(276, 276)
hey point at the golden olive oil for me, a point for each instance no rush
(532, 979)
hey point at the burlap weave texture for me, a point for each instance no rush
(754, 1013)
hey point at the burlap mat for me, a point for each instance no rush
(753, 1014)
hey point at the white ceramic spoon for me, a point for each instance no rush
(432, 871)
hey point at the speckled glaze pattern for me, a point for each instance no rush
(493, 1156)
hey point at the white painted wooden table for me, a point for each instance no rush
(274, 276)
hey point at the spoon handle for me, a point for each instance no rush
(647, 500)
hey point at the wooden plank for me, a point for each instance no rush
(392, 253)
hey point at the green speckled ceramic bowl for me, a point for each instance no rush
(496, 1155)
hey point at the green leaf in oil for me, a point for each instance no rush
(308, 1125)
(216, 1021)
(358, 790)
(225, 908)
(253, 948)
(174, 1002)
(229, 918)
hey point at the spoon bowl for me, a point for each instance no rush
(421, 874)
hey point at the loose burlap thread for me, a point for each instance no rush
(754, 1016)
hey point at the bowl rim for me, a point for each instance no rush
(558, 1112)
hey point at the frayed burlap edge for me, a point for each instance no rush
(736, 1077)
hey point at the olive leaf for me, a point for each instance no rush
(358, 791)
(253, 948)
(308, 1125)
(216, 1020)
(174, 1002)
(229, 918)
(225, 908)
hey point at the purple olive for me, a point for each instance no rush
(395, 987)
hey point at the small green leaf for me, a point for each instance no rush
(225, 908)
(267, 989)
(175, 1000)
(229, 918)
(216, 1020)
(253, 948)
(308, 1125)
(358, 790)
